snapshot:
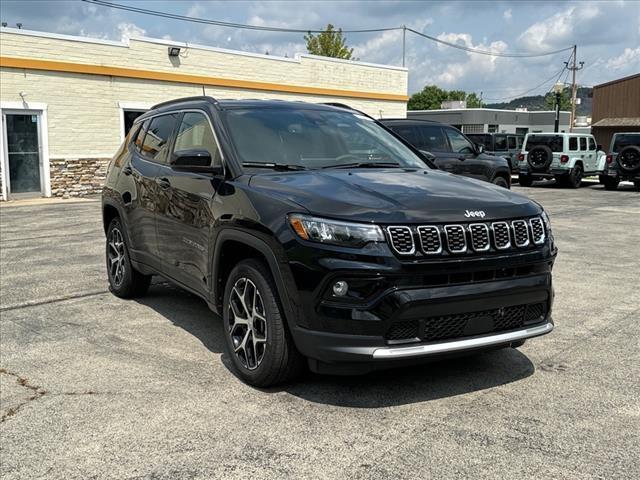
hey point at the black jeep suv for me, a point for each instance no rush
(623, 162)
(322, 238)
(452, 151)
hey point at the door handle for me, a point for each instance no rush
(463, 158)
(127, 170)
(163, 182)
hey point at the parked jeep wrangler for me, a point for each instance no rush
(567, 157)
(505, 145)
(623, 162)
(322, 238)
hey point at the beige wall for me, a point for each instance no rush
(84, 109)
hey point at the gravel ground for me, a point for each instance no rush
(97, 387)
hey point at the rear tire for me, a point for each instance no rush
(258, 341)
(575, 177)
(525, 180)
(501, 182)
(124, 280)
(610, 183)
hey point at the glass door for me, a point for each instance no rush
(23, 154)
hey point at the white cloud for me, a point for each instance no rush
(560, 29)
(508, 14)
(128, 30)
(629, 59)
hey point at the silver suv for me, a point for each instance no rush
(567, 157)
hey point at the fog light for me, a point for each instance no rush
(340, 288)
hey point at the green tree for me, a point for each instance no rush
(330, 43)
(430, 98)
(473, 101)
(456, 95)
(565, 100)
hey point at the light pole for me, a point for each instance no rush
(558, 88)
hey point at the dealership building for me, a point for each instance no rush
(67, 102)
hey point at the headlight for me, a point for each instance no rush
(547, 225)
(334, 232)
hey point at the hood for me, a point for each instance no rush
(394, 195)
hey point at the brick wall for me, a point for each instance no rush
(77, 177)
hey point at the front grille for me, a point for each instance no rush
(445, 327)
(402, 240)
(430, 239)
(520, 233)
(456, 238)
(466, 238)
(479, 237)
(537, 230)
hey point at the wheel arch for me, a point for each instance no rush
(234, 245)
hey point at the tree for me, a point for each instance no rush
(565, 100)
(473, 101)
(430, 98)
(330, 43)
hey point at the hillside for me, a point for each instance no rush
(536, 102)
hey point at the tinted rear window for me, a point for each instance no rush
(500, 142)
(554, 142)
(482, 139)
(626, 140)
(156, 140)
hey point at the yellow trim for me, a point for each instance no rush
(36, 64)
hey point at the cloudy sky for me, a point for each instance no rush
(607, 34)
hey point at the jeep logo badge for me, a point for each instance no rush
(477, 213)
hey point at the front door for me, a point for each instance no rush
(23, 154)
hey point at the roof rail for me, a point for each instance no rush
(205, 98)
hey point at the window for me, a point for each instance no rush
(195, 134)
(583, 143)
(554, 142)
(592, 144)
(512, 143)
(500, 142)
(156, 140)
(410, 133)
(493, 128)
(522, 130)
(473, 128)
(520, 141)
(139, 138)
(483, 139)
(129, 116)
(433, 139)
(573, 143)
(459, 143)
(622, 140)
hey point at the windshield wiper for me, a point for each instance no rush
(365, 165)
(274, 166)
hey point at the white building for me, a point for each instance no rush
(67, 101)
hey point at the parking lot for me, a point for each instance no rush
(97, 387)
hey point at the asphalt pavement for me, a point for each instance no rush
(92, 386)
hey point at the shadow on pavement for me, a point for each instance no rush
(400, 386)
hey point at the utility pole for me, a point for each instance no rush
(404, 43)
(574, 88)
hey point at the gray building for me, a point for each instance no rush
(489, 120)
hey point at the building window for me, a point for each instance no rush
(492, 128)
(473, 128)
(129, 117)
(522, 130)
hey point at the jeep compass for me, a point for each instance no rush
(322, 238)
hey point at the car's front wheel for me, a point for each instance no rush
(124, 280)
(501, 182)
(258, 341)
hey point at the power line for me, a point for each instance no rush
(488, 52)
(156, 13)
(555, 75)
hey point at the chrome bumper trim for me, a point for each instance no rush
(464, 344)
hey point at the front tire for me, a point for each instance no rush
(575, 177)
(501, 182)
(258, 341)
(124, 280)
(525, 180)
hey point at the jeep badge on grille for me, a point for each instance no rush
(475, 214)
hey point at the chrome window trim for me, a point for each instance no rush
(413, 241)
(515, 238)
(486, 229)
(508, 246)
(437, 252)
(464, 233)
(544, 232)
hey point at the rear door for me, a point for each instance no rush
(593, 155)
(185, 217)
(462, 155)
(434, 140)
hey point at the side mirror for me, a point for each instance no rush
(479, 148)
(196, 161)
(428, 155)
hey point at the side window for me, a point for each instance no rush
(156, 141)
(139, 137)
(573, 143)
(410, 133)
(583, 144)
(195, 134)
(500, 143)
(459, 143)
(520, 142)
(512, 143)
(433, 139)
(592, 144)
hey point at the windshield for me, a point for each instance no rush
(626, 140)
(312, 138)
(554, 142)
